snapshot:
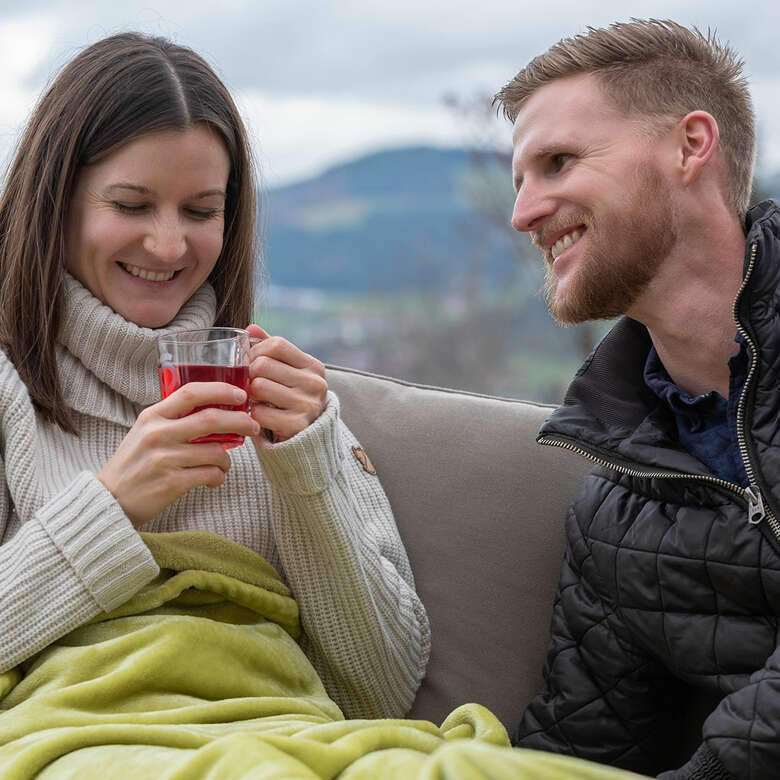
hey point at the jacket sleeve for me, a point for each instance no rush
(366, 630)
(604, 697)
(741, 737)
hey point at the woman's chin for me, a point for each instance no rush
(146, 317)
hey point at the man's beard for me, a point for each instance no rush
(609, 279)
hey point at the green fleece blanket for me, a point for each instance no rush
(199, 676)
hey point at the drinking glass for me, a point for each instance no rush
(206, 355)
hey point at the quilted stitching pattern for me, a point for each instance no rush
(650, 592)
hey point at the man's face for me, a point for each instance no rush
(591, 193)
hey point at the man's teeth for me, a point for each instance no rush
(149, 275)
(565, 242)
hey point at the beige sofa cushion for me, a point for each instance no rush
(480, 508)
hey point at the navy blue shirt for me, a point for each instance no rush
(706, 424)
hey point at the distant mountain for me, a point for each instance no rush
(393, 220)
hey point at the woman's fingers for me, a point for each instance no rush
(210, 476)
(285, 391)
(285, 352)
(256, 333)
(210, 420)
(207, 454)
(194, 408)
(194, 394)
(288, 410)
(270, 368)
(272, 379)
(283, 422)
(285, 410)
(288, 387)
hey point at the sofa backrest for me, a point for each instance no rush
(480, 507)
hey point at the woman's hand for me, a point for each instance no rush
(155, 464)
(287, 387)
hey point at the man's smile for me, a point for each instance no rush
(565, 241)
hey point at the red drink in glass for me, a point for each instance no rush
(172, 377)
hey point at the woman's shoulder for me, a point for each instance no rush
(11, 384)
(6, 365)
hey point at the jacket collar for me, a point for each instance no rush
(609, 411)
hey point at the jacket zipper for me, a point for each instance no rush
(757, 510)
(638, 471)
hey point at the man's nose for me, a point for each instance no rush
(166, 239)
(532, 206)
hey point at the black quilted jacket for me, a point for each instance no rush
(671, 576)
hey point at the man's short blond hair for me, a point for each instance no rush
(660, 70)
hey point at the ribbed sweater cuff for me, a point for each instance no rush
(703, 765)
(99, 541)
(309, 461)
(415, 650)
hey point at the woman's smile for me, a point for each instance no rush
(147, 275)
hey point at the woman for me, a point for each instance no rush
(128, 212)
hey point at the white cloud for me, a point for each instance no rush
(299, 136)
(24, 43)
(324, 80)
(765, 93)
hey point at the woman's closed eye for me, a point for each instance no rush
(141, 208)
(129, 208)
(205, 213)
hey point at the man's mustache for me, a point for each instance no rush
(550, 232)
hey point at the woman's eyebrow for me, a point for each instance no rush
(209, 193)
(128, 186)
(146, 191)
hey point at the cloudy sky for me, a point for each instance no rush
(320, 82)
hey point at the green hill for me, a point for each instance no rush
(394, 220)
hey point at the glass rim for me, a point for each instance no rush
(176, 338)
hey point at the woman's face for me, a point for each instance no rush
(146, 222)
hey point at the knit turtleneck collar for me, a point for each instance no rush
(108, 365)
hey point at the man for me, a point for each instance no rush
(633, 158)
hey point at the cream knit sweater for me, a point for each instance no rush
(69, 552)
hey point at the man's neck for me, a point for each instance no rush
(699, 364)
(689, 313)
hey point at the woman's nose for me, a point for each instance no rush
(166, 240)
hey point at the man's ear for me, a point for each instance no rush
(698, 138)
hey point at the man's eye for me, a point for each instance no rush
(559, 160)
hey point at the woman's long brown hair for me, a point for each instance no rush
(115, 90)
